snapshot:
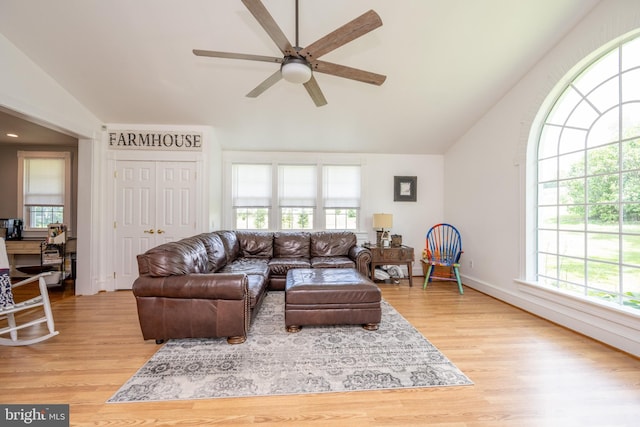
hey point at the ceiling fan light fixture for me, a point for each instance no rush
(295, 70)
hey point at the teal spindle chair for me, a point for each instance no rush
(443, 249)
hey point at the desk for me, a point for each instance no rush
(402, 255)
(21, 247)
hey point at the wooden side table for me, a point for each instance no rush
(402, 255)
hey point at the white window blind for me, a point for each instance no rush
(341, 186)
(44, 182)
(251, 185)
(297, 186)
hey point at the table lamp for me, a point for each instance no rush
(382, 221)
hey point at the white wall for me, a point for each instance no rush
(27, 91)
(484, 186)
(411, 220)
(214, 153)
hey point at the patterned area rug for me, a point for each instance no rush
(317, 359)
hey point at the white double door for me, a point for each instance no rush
(155, 203)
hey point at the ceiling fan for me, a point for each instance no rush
(298, 64)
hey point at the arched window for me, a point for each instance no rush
(588, 182)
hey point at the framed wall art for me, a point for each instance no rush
(405, 188)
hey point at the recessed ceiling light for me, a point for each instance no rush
(12, 135)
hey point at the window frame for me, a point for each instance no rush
(588, 289)
(67, 215)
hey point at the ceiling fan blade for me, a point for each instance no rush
(270, 81)
(352, 30)
(315, 93)
(214, 54)
(267, 22)
(348, 72)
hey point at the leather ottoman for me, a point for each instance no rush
(330, 296)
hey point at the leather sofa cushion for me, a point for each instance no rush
(332, 243)
(231, 244)
(280, 266)
(332, 262)
(215, 250)
(255, 244)
(257, 266)
(185, 256)
(291, 244)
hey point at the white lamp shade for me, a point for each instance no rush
(296, 71)
(382, 220)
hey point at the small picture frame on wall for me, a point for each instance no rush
(405, 188)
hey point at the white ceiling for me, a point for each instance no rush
(446, 61)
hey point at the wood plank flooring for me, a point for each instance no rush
(527, 371)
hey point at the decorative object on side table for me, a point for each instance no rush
(405, 188)
(382, 221)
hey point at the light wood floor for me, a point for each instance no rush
(527, 371)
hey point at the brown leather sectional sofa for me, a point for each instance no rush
(212, 284)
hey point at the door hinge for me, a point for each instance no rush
(115, 224)
(115, 174)
(114, 275)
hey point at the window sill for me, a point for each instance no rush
(602, 309)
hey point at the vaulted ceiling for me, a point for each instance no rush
(446, 61)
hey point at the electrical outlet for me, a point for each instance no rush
(471, 264)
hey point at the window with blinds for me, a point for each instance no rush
(341, 196)
(45, 192)
(251, 195)
(302, 197)
(297, 189)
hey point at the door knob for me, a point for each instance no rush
(149, 231)
(160, 231)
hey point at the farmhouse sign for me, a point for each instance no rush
(155, 141)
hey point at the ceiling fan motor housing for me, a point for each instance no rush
(295, 69)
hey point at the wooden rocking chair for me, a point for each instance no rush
(443, 249)
(9, 308)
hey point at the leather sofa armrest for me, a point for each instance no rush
(193, 286)
(362, 257)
